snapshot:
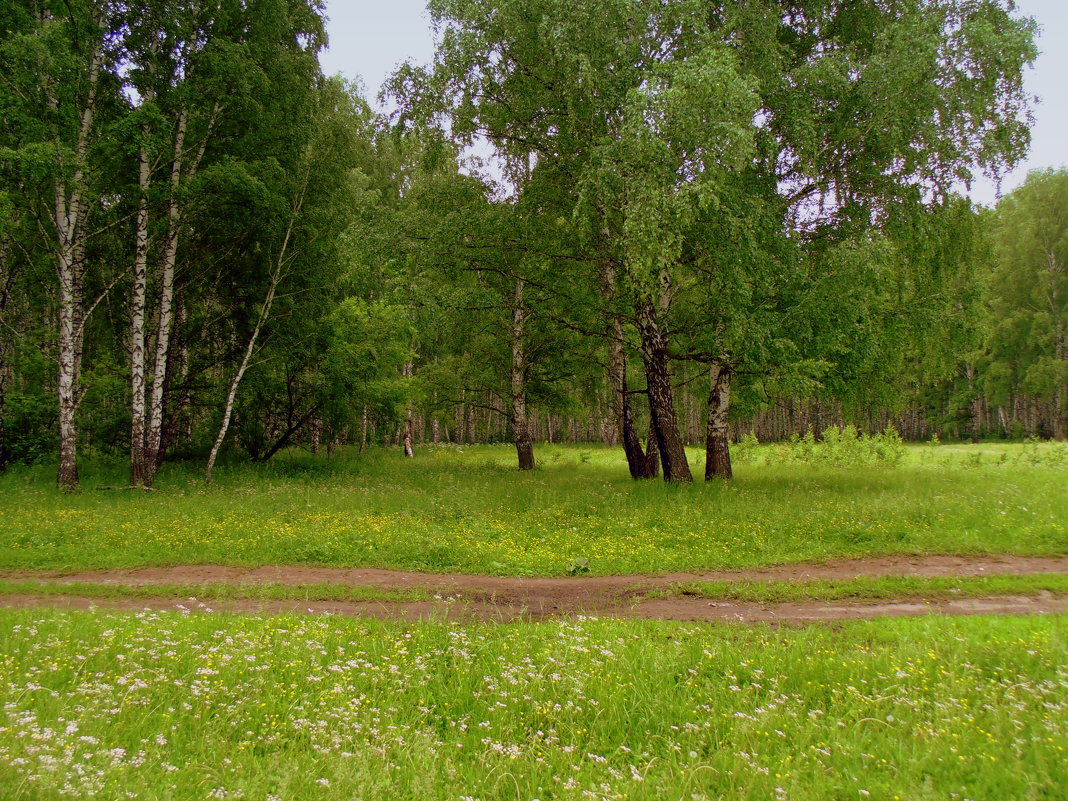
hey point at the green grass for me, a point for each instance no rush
(469, 510)
(874, 589)
(177, 707)
(267, 591)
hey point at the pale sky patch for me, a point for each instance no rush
(369, 40)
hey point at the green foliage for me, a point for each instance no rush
(29, 425)
(1028, 297)
(746, 449)
(845, 447)
(578, 566)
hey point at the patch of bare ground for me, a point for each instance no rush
(526, 590)
(500, 598)
(468, 611)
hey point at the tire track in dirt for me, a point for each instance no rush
(500, 598)
(463, 611)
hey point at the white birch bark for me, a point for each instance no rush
(138, 301)
(166, 303)
(165, 318)
(68, 218)
(265, 312)
(409, 448)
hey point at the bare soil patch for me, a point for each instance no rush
(458, 610)
(500, 598)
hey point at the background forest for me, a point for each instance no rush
(699, 222)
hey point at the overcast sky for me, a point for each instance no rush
(369, 38)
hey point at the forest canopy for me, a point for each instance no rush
(699, 220)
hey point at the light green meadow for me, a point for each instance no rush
(469, 510)
(170, 706)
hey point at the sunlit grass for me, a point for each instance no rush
(469, 510)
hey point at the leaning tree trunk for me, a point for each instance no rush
(265, 312)
(661, 394)
(619, 399)
(717, 441)
(250, 347)
(520, 424)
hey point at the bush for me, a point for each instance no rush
(745, 450)
(845, 447)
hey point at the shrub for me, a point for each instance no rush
(845, 447)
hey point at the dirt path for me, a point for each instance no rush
(494, 598)
(677, 608)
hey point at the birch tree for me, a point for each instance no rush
(199, 70)
(662, 114)
(59, 91)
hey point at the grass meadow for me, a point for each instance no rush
(172, 706)
(468, 510)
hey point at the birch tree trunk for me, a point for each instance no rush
(69, 212)
(181, 170)
(139, 471)
(652, 448)
(520, 424)
(409, 447)
(166, 306)
(717, 441)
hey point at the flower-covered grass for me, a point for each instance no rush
(469, 510)
(172, 706)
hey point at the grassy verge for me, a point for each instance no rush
(164, 705)
(469, 510)
(874, 589)
(215, 591)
